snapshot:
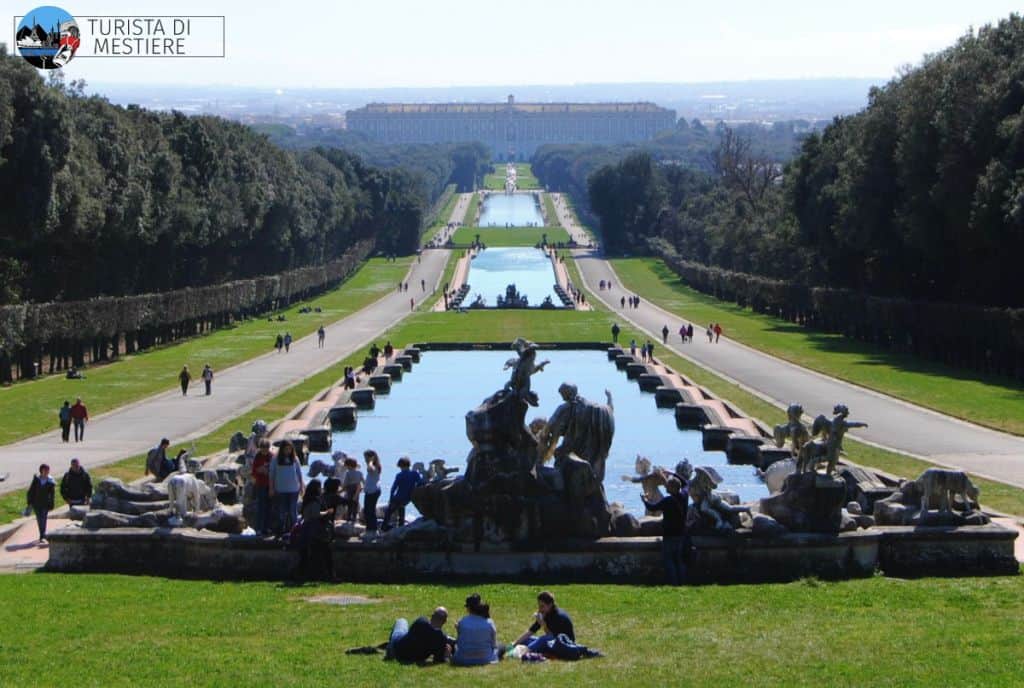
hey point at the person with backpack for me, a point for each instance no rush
(64, 417)
(207, 378)
(184, 377)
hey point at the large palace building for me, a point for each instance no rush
(513, 130)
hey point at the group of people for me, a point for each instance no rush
(551, 634)
(605, 284)
(75, 489)
(646, 350)
(634, 301)
(76, 416)
(285, 342)
(185, 377)
(714, 333)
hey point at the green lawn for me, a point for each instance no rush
(549, 210)
(140, 631)
(499, 236)
(495, 181)
(441, 221)
(30, 408)
(995, 402)
(472, 210)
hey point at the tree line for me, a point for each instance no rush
(908, 215)
(100, 200)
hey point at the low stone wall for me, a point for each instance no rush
(741, 557)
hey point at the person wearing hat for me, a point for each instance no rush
(477, 641)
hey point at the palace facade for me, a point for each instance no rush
(512, 130)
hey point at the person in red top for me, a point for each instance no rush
(79, 414)
(718, 332)
(261, 486)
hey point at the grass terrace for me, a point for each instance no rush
(525, 180)
(871, 632)
(987, 400)
(29, 408)
(500, 236)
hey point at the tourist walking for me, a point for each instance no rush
(664, 334)
(79, 416)
(321, 335)
(287, 341)
(718, 332)
(675, 542)
(64, 418)
(406, 481)
(622, 302)
(711, 333)
(261, 487)
(412, 304)
(207, 378)
(285, 486)
(615, 333)
(371, 493)
(184, 377)
(279, 342)
(76, 485)
(40, 499)
(632, 347)
(650, 351)
(682, 333)
(689, 332)
(477, 637)
(423, 285)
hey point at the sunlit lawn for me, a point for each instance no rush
(996, 402)
(100, 630)
(495, 181)
(498, 236)
(29, 408)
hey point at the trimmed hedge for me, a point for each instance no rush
(962, 335)
(31, 332)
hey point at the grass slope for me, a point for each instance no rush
(30, 408)
(132, 631)
(995, 402)
(525, 180)
(499, 236)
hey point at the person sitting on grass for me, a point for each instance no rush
(424, 639)
(554, 621)
(477, 641)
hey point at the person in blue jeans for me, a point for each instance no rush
(553, 620)
(285, 486)
(406, 481)
(421, 641)
(675, 541)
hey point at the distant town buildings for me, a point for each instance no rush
(512, 130)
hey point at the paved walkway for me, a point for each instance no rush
(133, 429)
(893, 423)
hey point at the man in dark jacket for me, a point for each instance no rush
(675, 542)
(554, 621)
(40, 499)
(76, 485)
(421, 641)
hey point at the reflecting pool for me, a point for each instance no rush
(494, 269)
(424, 418)
(511, 210)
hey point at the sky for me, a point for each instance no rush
(387, 43)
